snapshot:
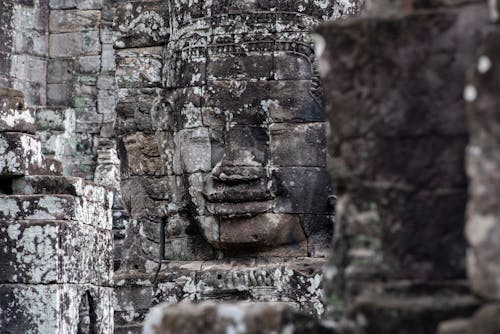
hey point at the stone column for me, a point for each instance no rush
(483, 166)
(398, 133)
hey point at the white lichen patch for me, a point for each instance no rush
(9, 207)
(13, 117)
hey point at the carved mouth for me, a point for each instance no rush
(245, 209)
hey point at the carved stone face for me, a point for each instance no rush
(247, 130)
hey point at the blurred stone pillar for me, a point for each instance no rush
(483, 168)
(393, 90)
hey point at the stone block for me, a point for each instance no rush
(224, 318)
(136, 68)
(91, 4)
(60, 70)
(108, 58)
(63, 185)
(54, 207)
(53, 119)
(142, 24)
(62, 4)
(291, 66)
(294, 280)
(261, 232)
(287, 138)
(185, 70)
(142, 155)
(30, 42)
(34, 92)
(293, 101)
(6, 32)
(249, 66)
(74, 20)
(415, 308)
(14, 116)
(134, 108)
(299, 189)
(319, 233)
(40, 308)
(29, 68)
(73, 44)
(89, 64)
(60, 94)
(88, 122)
(21, 154)
(45, 252)
(231, 95)
(195, 150)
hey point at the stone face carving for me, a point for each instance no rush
(239, 174)
(243, 127)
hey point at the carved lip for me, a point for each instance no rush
(231, 210)
(236, 196)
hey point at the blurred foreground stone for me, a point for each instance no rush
(241, 318)
(483, 169)
(394, 88)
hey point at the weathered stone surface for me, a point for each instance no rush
(225, 318)
(139, 67)
(303, 190)
(483, 230)
(33, 185)
(74, 44)
(14, 116)
(141, 24)
(260, 232)
(54, 207)
(73, 20)
(53, 308)
(21, 154)
(285, 138)
(140, 155)
(45, 252)
(296, 282)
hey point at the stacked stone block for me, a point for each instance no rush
(24, 47)
(80, 85)
(76, 123)
(141, 30)
(55, 236)
(394, 88)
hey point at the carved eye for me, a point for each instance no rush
(19, 106)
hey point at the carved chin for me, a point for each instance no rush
(259, 231)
